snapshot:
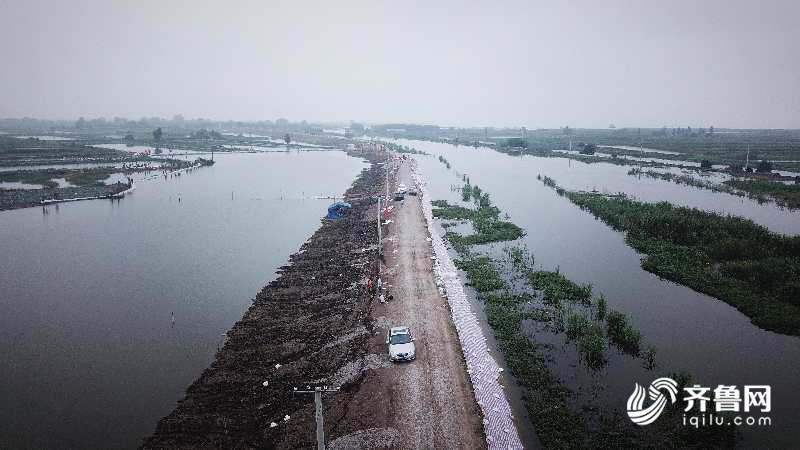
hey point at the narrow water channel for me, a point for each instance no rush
(87, 291)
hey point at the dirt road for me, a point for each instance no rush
(427, 403)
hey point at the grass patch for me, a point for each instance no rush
(485, 218)
(787, 195)
(446, 211)
(576, 324)
(622, 334)
(482, 273)
(521, 260)
(403, 149)
(601, 307)
(466, 193)
(557, 426)
(650, 358)
(44, 177)
(556, 287)
(89, 178)
(592, 345)
(590, 338)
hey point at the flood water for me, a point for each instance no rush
(692, 332)
(90, 356)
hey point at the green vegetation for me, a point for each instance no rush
(44, 177)
(590, 338)
(206, 134)
(486, 222)
(601, 307)
(587, 149)
(730, 258)
(444, 161)
(650, 358)
(576, 324)
(557, 288)
(592, 345)
(466, 193)
(686, 180)
(521, 260)
(764, 166)
(482, 273)
(787, 195)
(89, 177)
(546, 398)
(403, 149)
(622, 334)
(559, 305)
(444, 210)
(558, 424)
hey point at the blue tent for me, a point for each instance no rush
(338, 210)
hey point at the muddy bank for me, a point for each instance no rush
(308, 327)
(25, 198)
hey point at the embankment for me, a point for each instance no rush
(308, 327)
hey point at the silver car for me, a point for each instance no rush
(401, 344)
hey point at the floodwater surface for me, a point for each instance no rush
(91, 356)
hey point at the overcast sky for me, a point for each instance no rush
(537, 64)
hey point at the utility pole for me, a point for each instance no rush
(747, 163)
(380, 243)
(318, 407)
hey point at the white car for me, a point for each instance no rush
(402, 188)
(401, 344)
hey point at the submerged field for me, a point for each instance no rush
(101, 162)
(617, 324)
(718, 146)
(517, 297)
(730, 258)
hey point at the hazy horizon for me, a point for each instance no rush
(730, 64)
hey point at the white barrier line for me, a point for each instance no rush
(498, 421)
